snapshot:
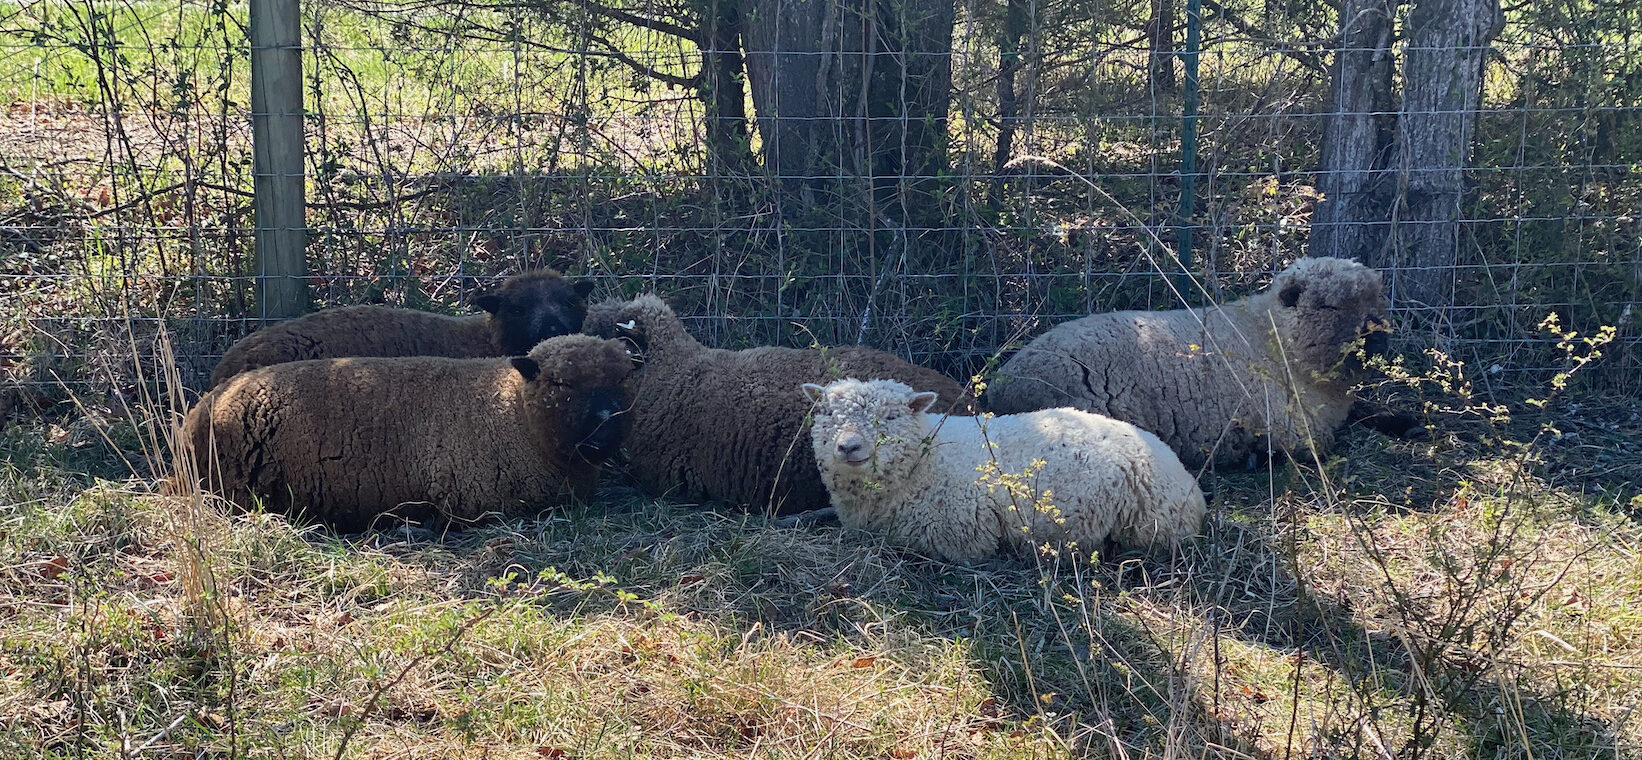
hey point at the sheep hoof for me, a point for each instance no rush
(812, 517)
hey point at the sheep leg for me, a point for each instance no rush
(808, 519)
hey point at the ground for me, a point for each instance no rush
(1457, 597)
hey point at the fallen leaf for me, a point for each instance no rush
(51, 568)
(551, 752)
(864, 662)
(902, 753)
(988, 709)
(336, 708)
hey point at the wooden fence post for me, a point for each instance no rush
(277, 158)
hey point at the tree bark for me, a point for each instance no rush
(1447, 46)
(724, 76)
(1353, 219)
(852, 90)
(1160, 64)
(1015, 22)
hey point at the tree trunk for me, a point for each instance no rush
(723, 77)
(1447, 46)
(1015, 22)
(1160, 65)
(1353, 219)
(852, 90)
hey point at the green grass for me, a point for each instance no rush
(1300, 624)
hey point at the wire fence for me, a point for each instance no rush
(646, 145)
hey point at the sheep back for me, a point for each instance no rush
(1219, 384)
(348, 440)
(524, 310)
(730, 426)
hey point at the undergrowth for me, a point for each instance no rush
(1452, 597)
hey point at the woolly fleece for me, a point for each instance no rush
(928, 483)
(524, 310)
(730, 426)
(348, 440)
(1218, 383)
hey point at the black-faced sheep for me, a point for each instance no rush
(523, 311)
(1220, 383)
(962, 487)
(729, 425)
(346, 441)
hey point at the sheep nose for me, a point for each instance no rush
(852, 448)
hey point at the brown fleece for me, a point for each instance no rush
(347, 440)
(524, 310)
(1219, 383)
(732, 426)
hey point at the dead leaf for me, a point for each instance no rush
(51, 568)
(335, 708)
(902, 753)
(864, 662)
(691, 578)
(551, 752)
(988, 709)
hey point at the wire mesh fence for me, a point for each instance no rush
(937, 180)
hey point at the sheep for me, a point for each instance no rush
(524, 310)
(1222, 385)
(722, 425)
(347, 441)
(961, 488)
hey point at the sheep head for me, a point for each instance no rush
(532, 307)
(872, 427)
(646, 321)
(579, 380)
(1326, 310)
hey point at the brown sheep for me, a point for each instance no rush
(346, 441)
(730, 425)
(524, 310)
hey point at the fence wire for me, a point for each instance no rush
(640, 144)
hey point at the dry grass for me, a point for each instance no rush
(1445, 601)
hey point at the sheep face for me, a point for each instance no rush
(646, 322)
(872, 428)
(580, 380)
(1326, 310)
(533, 307)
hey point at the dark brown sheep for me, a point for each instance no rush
(731, 426)
(524, 310)
(346, 441)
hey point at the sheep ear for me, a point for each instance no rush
(921, 402)
(583, 288)
(489, 302)
(1289, 295)
(526, 366)
(813, 392)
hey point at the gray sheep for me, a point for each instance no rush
(1220, 384)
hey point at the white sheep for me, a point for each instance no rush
(962, 487)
